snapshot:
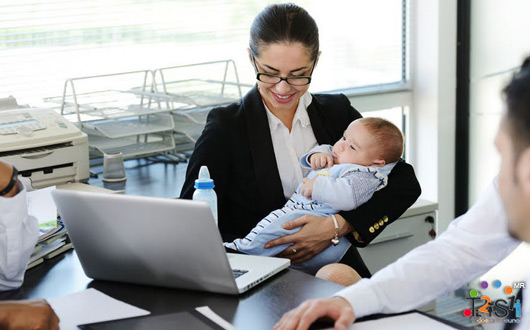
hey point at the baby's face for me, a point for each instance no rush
(355, 146)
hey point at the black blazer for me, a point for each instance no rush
(237, 148)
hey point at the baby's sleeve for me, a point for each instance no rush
(347, 192)
(325, 148)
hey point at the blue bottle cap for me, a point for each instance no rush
(204, 184)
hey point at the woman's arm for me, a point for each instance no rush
(385, 206)
(209, 150)
(345, 193)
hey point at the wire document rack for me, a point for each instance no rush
(192, 90)
(149, 112)
(117, 113)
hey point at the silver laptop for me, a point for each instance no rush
(156, 241)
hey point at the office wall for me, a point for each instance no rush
(499, 42)
(433, 75)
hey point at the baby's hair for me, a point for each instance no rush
(387, 136)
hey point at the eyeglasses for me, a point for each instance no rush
(275, 79)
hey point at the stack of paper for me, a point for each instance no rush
(53, 238)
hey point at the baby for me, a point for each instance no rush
(343, 177)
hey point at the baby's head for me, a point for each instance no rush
(369, 142)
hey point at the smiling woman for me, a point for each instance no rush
(253, 147)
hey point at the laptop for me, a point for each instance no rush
(156, 241)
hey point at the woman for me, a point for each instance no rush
(252, 148)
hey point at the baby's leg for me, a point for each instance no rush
(268, 229)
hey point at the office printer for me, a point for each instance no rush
(43, 146)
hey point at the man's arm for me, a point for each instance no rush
(473, 243)
(18, 233)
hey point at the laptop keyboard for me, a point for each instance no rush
(238, 272)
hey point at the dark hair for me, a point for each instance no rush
(517, 95)
(387, 136)
(284, 23)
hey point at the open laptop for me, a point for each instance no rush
(156, 241)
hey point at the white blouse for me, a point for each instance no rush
(290, 146)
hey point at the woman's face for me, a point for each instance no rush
(285, 60)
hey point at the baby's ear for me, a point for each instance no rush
(378, 162)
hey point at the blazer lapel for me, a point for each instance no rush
(318, 123)
(262, 150)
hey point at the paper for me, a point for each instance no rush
(411, 321)
(41, 205)
(91, 306)
(46, 249)
(207, 311)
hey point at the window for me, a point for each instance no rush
(44, 42)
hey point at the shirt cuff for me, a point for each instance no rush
(362, 298)
(14, 208)
(304, 160)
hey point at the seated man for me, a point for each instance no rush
(472, 244)
(18, 235)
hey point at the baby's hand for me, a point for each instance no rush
(307, 187)
(319, 160)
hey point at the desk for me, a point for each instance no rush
(259, 308)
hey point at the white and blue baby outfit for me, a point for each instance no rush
(342, 187)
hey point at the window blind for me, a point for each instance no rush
(42, 43)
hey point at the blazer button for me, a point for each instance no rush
(385, 219)
(381, 223)
(372, 230)
(376, 226)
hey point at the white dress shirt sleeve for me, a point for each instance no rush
(18, 236)
(473, 243)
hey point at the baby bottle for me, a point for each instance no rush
(204, 190)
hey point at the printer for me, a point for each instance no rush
(43, 146)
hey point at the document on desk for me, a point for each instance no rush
(90, 306)
(410, 321)
(41, 205)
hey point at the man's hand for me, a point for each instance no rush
(6, 171)
(300, 318)
(27, 314)
(307, 187)
(320, 160)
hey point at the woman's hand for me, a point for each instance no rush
(313, 238)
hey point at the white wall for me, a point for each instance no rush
(499, 41)
(433, 75)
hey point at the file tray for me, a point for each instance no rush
(132, 146)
